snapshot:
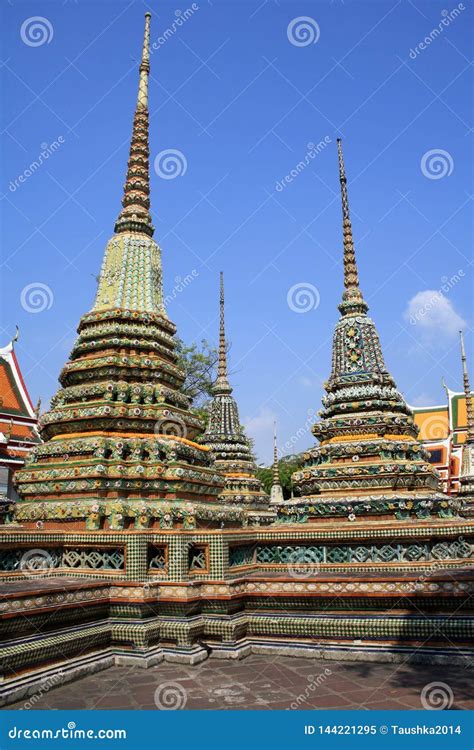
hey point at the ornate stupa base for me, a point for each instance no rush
(96, 514)
(95, 599)
(400, 506)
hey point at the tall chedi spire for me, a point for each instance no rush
(135, 214)
(222, 386)
(368, 462)
(276, 493)
(466, 480)
(352, 299)
(119, 448)
(131, 275)
(226, 439)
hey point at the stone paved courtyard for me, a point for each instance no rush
(262, 682)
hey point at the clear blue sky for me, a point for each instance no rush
(241, 103)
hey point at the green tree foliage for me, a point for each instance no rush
(286, 467)
(199, 362)
(265, 475)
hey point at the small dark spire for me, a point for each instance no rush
(222, 384)
(276, 492)
(467, 393)
(135, 215)
(276, 472)
(352, 299)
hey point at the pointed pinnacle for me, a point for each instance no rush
(222, 384)
(352, 299)
(467, 393)
(135, 214)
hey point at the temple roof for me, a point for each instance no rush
(18, 418)
(15, 399)
(438, 422)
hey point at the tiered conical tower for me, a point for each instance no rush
(119, 447)
(466, 479)
(276, 494)
(369, 462)
(226, 439)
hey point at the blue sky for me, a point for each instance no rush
(240, 89)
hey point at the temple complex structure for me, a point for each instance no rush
(137, 537)
(443, 433)
(225, 437)
(18, 426)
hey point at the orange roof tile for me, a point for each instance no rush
(433, 423)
